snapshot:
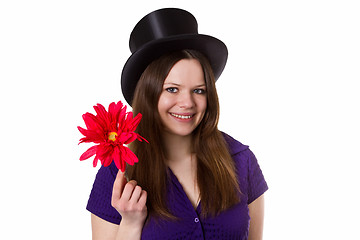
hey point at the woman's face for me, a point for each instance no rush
(182, 103)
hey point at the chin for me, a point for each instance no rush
(180, 133)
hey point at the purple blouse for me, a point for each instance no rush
(230, 224)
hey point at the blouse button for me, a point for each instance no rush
(196, 220)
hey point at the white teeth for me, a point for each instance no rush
(181, 116)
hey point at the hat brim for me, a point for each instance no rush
(214, 49)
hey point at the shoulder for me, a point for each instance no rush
(234, 145)
(241, 153)
(99, 202)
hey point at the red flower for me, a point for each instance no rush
(110, 130)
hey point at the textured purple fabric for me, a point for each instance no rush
(230, 224)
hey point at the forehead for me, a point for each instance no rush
(186, 71)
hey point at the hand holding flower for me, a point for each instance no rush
(130, 201)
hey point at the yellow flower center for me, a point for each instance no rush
(112, 136)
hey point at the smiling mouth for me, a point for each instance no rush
(182, 116)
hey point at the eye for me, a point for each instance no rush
(172, 89)
(200, 91)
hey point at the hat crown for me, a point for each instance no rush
(163, 23)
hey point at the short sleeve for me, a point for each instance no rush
(256, 181)
(251, 179)
(100, 197)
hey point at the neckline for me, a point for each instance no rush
(178, 184)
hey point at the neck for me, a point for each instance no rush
(177, 147)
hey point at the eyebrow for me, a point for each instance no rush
(170, 83)
(176, 84)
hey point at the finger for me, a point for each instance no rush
(128, 190)
(118, 186)
(143, 198)
(136, 194)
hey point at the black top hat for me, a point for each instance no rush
(163, 31)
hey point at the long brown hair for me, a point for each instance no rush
(216, 175)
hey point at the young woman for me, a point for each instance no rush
(192, 181)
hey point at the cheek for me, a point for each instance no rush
(163, 104)
(205, 105)
(202, 104)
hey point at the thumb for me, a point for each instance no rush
(119, 184)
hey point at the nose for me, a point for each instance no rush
(185, 100)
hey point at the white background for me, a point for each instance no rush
(290, 91)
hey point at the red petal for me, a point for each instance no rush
(100, 110)
(129, 118)
(121, 119)
(96, 159)
(90, 121)
(90, 152)
(113, 114)
(111, 107)
(123, 136)
(82, 130)
(132, 138)
(119, 104)
(119, 162)
(115, 107)
(128, 156)
(102, 116)
(123, 168)
(135, 122)
(94, 123)
(105, 152)
(91, 136)
(107, 161)
(140, 138)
